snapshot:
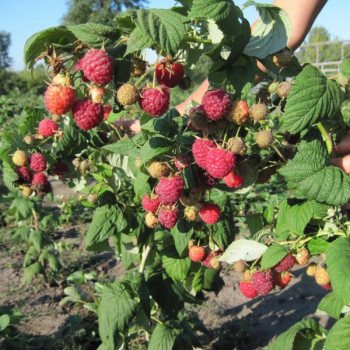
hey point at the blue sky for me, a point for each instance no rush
(22, 18)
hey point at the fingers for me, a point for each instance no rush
(344, 145)
(342, 163)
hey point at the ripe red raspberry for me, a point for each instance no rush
(197, 253)
(238, 113)
(24, 174)
(87, 114)
(219, 162)
(216, 103)
(285, 264)
(210, 213)
(205, 180)
(168, 216)
(150, 203)
(200, 149)
(247, 289)
(169, 73)
(169, 190)
(282, 279)
(263, 281)
(79, 66)
(47, 127)
(106, 109)
(60, 169)
(39, 179)
(154, 102)
(59, 99)
(209, 257)
(233, 181)
(98, 66)
(37, 162)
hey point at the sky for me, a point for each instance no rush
(22, 18)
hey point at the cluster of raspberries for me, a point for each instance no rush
(262, 282)
(208, 258)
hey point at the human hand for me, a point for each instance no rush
(343, 147)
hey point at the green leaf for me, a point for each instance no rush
(254, 223)
(122, 147)
(273, 255)
(243, 249)
(308, 175)
(313, 97)
(271, 32)
(317, 246)
(198, 279)
(24, 206)
(286, 340)
(338, 337)
(138, 40)
(36, 237)
(5, 320)
(332, 305)
(161, 338)
(141, 185)
(182, 233)
(164, 27)
(30, 117)
(30, 272)
(338, 263)
(72, 142)
(217, 10)
(117, 308)
(175, 266)
(9, 177)
(345, 67)
(106, 222)
(155, 146)
(95, 34)
(38, 42)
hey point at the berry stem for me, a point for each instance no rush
(156, 319)
(326, 137)
(238, 130)
(145, 254)
(279, 153)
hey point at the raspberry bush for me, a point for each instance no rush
(173, 223)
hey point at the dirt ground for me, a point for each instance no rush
(233, 321)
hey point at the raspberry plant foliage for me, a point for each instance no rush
(149, 301)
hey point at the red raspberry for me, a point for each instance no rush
(169, 73)
(233, 181)
(219, 162)
(39, 179)
(282, 279)
(263, 281)
(59, 99)
(327, 286)
(210, 213)
(169, 190)
(154, 102)
(216, 103)
(197, 253)
(168, 216)
(247, 289)
(60, 169)
(205, 180)
(209, 257)
(200, 149)
(285, 264)
(238, 113)
(47, 127)
(149, 203)
(97, 66)
(37, 162)
(87, 114)
(106, 109)
(24, 173)
(79, 66)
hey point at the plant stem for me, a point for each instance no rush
(326, 137)
(35, 220)
(156, 319)
(145, 255)
(279, 153)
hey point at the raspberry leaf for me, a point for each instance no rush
(174, 265)
(161, 338)
(182, 233)
(95, 34)
(217, 10)
(72, 142)
(271, 32)
(313, 97)
(273, 255)
(345, 67)
(332, 305)
(339, 337)
(338, 262)
(198, 280)
(138, 40)
(309, 175)
(317, 246)
(243, 249)
(154, 147)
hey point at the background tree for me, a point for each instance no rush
(5, 42)
(97, 11)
